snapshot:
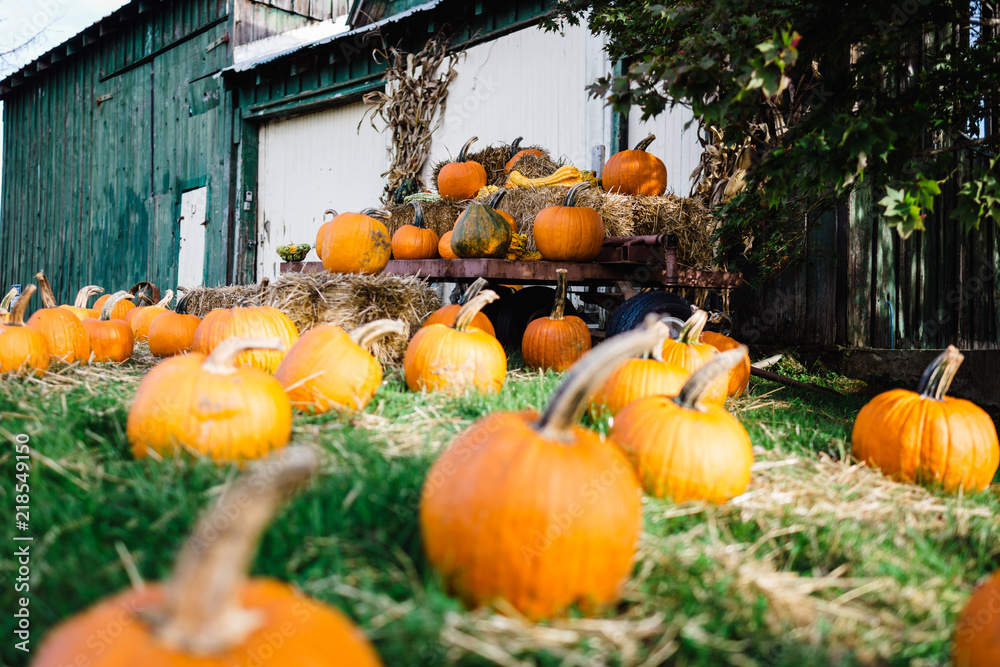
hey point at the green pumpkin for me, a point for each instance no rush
(481, 231)
(408, 186)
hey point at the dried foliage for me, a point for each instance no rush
(414, 107)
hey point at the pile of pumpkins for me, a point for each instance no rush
(360, 242)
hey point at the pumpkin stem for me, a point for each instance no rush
(201, 614)
(418, 214)
(366, 334)
(469, 309)
(465, 148)
(48, 298)
(165, 301)
(222, 360)
(377, 213)
(8, 297)
(575, 190)
(691, 331)
(590, 372)
(694, 389)
(496, 198)
(644, 144)
(83, 296)
(16, 317)
(475, 288)
(112, 302)
(657, 352)
(514, 145)
(936, 380)
(330, 211)
(559, 306)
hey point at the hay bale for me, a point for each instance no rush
(689, 219)
(536, 166)
(438, 215)
(350, 300)
(200, 300)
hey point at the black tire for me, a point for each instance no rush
(630, 314)
(492, 310)
(518, 309)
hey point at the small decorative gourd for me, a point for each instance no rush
(208, 406)
(463, 178)
(557, 341)
(247, 321)
(22, 348)
(64, 334)
(569, 233)
(415, 241)
(684, 448)
(446, 314)
(329, 367)
(927, 437)
(635, 172)
(111, 340)
(356, 243)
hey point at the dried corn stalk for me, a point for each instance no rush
(412, 106)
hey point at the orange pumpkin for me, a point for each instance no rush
(111, 340)
(22, 348)
(691, 355)
(207, 406)
(140, 317)
(461, 179)
(329, 367)
(739, 376)
(247, 321)
(415, 241)
(356, 243)
(569, 233)
(456, 358)
(210, 613)
(555, 342)
(635, 172)
(172, 333)
(558, 505)
(516, 153)
(64, 334)
(322, 230)
(444, 247)
(927, 437)
(79, 307)
(684, 448)
(977, 635)
(118, 312)
(446, 314)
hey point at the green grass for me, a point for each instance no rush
(821, 563)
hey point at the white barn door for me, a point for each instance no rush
(191, 255)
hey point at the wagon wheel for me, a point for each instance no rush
(518, 309)
(145, 290)
(631, 313)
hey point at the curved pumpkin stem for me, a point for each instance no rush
(418, 215)
(202, 614)
(644, 144)
(691, 331)
(575, 190)
(83, 296)
(165, 301)
(366, 334)
(559, 306)
(514, 146)
(16, 317)
(657, 351)
(112, 301)
(465, 149)
(697, 385)
(936, 380)
(475, 288)
(48, 298)
(222, 360)
(332, 212)
(496, 198)
(468, 310)
(590, 372)
(9, 296)
(377, 213)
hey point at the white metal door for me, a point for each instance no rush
(191, 257)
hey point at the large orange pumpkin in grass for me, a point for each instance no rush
(739, 376)
(415, 241)
(111, 340)
(635, 172)
(927, 437)
(456, 358)
(64, 333)
(247, 321)
(516, 153)
(684, 448)
(79, 307)
(329, 367)
(557, 341)
(356, 243)
(120, 309)
(322, 230)
(569, 233)
(463, 178)
(977, 635)
(558, 505)
(691, 355)
(207, 406)
(140, 317)
(172, 333)
(446, 314)
(22, 348)
(210, 613)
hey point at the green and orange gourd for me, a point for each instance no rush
(481, 231)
